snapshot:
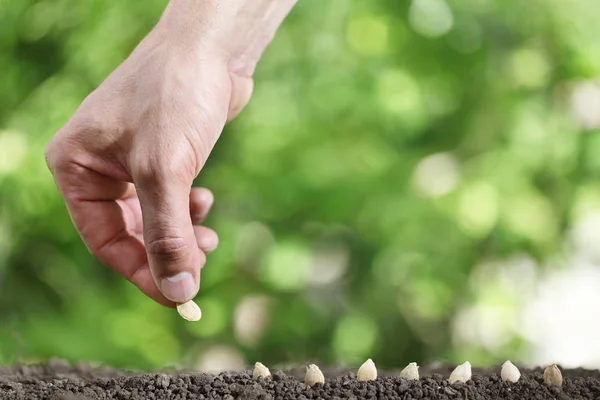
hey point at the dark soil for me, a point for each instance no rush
(58, 381)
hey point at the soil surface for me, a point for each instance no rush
(59, 381)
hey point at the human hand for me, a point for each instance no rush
(126, 160)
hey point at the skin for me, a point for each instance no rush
(126, 160)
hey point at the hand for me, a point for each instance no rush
(126, 161)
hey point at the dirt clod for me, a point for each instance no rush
(70, 383)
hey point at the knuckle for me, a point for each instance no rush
(144, 171)
(168, 248)
(57, 151)
(49, 155)
(162, 167)
(68, 145)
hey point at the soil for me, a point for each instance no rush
(59, 381)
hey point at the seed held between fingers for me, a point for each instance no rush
(189, 311)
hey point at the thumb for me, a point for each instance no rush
(173, 254)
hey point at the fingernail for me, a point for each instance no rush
(178, 288)
(198, 217)
(209, 249)
(208, 243)
(207, 197)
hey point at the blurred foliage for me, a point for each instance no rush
(390, 147)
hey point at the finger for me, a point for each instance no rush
(173, 254)
(107, 226)
(143, 279)
(206, 238)
(201, 200)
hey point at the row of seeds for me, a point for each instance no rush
(462, 373)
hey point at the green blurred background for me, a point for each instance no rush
(411, 181)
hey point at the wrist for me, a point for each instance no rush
(238, 30)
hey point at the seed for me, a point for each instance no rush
(509, 372)
(313, 375)
(462, 373)
(189, 311)
(367, 371)
(552, 375)
(410, 372)
(260, 371)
